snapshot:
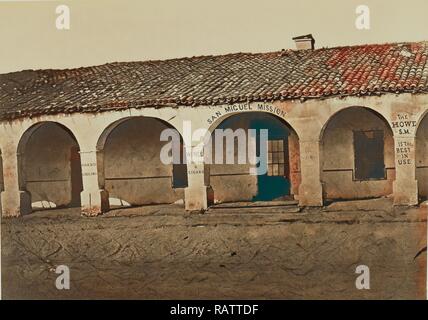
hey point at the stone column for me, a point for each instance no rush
(310, 190)
(94, 198)
(198, 194)
(294, 164)
(14, 199)
(405, 186)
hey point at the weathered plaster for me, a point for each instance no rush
(309, 119)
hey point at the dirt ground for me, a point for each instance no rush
(162, 252)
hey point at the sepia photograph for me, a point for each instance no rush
(207, 152)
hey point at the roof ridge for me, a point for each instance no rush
(357, 70)
(184, 58)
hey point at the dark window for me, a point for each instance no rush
(179, 171)
(369, 155)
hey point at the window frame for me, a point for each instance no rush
(278, 152)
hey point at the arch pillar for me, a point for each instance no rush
(310, 189)
(405, 186)
(15, 201)
(197, 195)
(94, 198)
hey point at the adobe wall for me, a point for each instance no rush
(422, 157)
(233, 182)
(338, 160)
(46, 161)
(133, 169)
(128, 165)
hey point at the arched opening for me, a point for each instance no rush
(357, 155)
(234, 181)
(49, 166)
(133, 172)
(422, 158)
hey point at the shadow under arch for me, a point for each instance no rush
(215, 123)
(233, 182)
(335, 114)
(357, 154)
(49, 166)
(421, 119)
(421, 150)
(143, 171)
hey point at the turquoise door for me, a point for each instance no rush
(275, 183)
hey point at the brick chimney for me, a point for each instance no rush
(305, 42)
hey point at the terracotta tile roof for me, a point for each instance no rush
(209, 80)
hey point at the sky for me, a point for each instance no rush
(104, 31)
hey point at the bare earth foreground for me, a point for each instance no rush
(161, 252)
